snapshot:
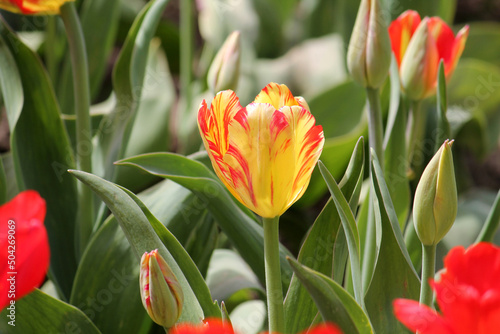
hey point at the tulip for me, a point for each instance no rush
(24, 246)
(435, 205)
(225, 69)
(467, 292)
(29, 7)
(215, 326)
(369, 53)
(161, 293)
(419, 46)
(264, 153)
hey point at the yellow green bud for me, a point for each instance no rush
(369, 53)
(161, 293)
(435, 205)
(224, 72)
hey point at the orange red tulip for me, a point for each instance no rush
(30, 7)
(263, 153)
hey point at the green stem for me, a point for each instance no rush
(273, 275)
(79, 65)
(416, 135)
(186, 48)
(490, 226)
(375, 127)
(50, 47)
(428, 270)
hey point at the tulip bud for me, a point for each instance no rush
(161, 293)
(225, 69)
(435, 205)
(420, 63)
(369, 53)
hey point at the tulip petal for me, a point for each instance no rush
(401, 30)
(458, 48)
(420, 318)
(276, 95)
(33, 6)
(444, 38)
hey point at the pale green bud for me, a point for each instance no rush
(369, 53)
(224, 72)
(435, 205)
(161, 293)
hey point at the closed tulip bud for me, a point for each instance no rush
(369, 53)
(224, 72)
(435, 205)
(161, 293)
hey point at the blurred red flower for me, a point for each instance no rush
(468, 295)
(216, 326)
(24, 246)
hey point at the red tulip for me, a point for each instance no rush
(24, 246)
(419, 46)
(33, 6)
(468, 295)
(216, 326)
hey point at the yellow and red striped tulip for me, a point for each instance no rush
(419, 46)
(31, 7)
(264, 153)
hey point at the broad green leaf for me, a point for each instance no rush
(395, 166)
(10, 85)
(40, 313)
(443, 127)
(99, 37)
(491, 224)
(350, 230)
(128, 78)
(141, 235)
(10, 187)
(42, 154)
(182, 258)
(244, 232)
(394, 275)
(106, 284)
(324, 242)
(203, 242)
(334, 303)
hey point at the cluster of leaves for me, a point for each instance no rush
(213, 244)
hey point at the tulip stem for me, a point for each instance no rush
(416, 135)
(375, 126)
(428, 270)
(81, 91)
(273, 275)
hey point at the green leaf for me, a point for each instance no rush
(10, 85)
(106, 284)
(3, 184)
(325, 240)
(395, 166)
(246, 235)
(350, 229)
(394, 275)
(186, 264)
(42, 154)
(141, 235)
(443, 127)
(334, 303)
(100, 37)
(491, 224)
(41, 313)
(128, 78)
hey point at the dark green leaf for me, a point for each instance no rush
(40, 313)
(334, 303)
(394, 275)
(42, 154)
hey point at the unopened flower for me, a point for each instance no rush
(435, 205)
(467, 292)
(263, 153)
(161, 293)
(419, 46)
(224, 72)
